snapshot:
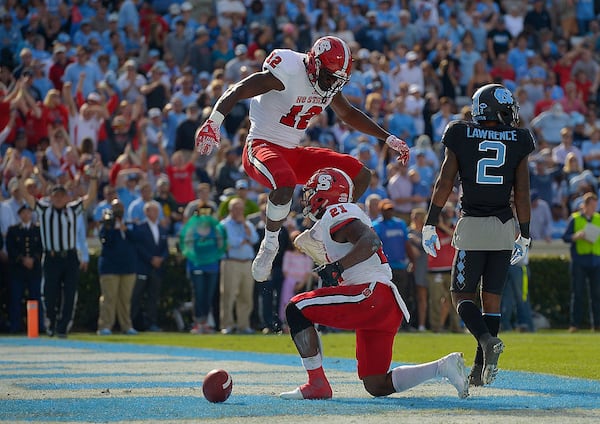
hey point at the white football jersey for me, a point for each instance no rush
(281, 117)
(374, 269)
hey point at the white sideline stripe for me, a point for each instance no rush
(259, 165)
(334, 299)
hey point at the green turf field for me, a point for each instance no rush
(551, 352)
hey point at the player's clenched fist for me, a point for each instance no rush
(208, 136)
(401, 147)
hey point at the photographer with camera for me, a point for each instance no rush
(117, 271)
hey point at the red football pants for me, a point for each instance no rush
(370, 309)
(275, 166)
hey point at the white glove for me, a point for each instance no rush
(430, 240)
(208, 137)
(520, 249)
(314, 248)
(400, 146)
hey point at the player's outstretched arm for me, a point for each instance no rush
(253, 85)
(361, 122)
(208, 134)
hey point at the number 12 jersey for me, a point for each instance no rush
(281, 117)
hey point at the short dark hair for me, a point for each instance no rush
(58, 187)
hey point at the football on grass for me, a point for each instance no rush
(217, 386)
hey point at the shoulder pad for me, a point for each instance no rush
(451, 129)
(341, 212)
(285, 65)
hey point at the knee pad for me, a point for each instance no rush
(295, 319)
(278, 212)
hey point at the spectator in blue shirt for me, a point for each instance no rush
(237, 285)
(135, 211)
(585, 13)
(174, 11)
(401, 123)
(128, 14)
(10, 34)
(83, 67)
(85, 33)
(393, 233)
(372, 36)
(375, 187)
(108, 195)
(127, 189)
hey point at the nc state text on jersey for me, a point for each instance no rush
(473, 132)
(309, 99)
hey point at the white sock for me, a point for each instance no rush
(312, 362)
(407, 376)
(272, 239)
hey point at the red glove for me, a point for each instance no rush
(208, 137)
(400, 146)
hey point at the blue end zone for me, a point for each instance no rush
(539, 392)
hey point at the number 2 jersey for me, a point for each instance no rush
(487, 161)
(373, 269)
(281, 117)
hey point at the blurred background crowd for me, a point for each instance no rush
(128, 82)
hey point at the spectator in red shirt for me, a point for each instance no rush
(54, 112)
(583, 84)
(546, 102)
(572, 101)
(181, 173)
(57, 69)
(502, 69)
(563, 67)
(149, 19)
(30, 112)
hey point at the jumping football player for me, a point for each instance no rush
(292, 88)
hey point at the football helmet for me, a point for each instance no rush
(327, 186)
(329, 65)
(494, 102)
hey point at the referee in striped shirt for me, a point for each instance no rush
(58, 226)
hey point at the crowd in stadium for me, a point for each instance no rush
(127, 83)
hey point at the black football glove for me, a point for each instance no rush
(331, 274)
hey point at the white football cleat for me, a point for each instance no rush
(295, 394)
(263, 262)
(452, 367)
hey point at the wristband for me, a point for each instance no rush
(217, 117)
(524, 227)
(433, 216)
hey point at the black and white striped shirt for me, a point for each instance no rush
(58, 226)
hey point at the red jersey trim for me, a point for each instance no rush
(340, 225)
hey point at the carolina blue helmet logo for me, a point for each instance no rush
(503, 96)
